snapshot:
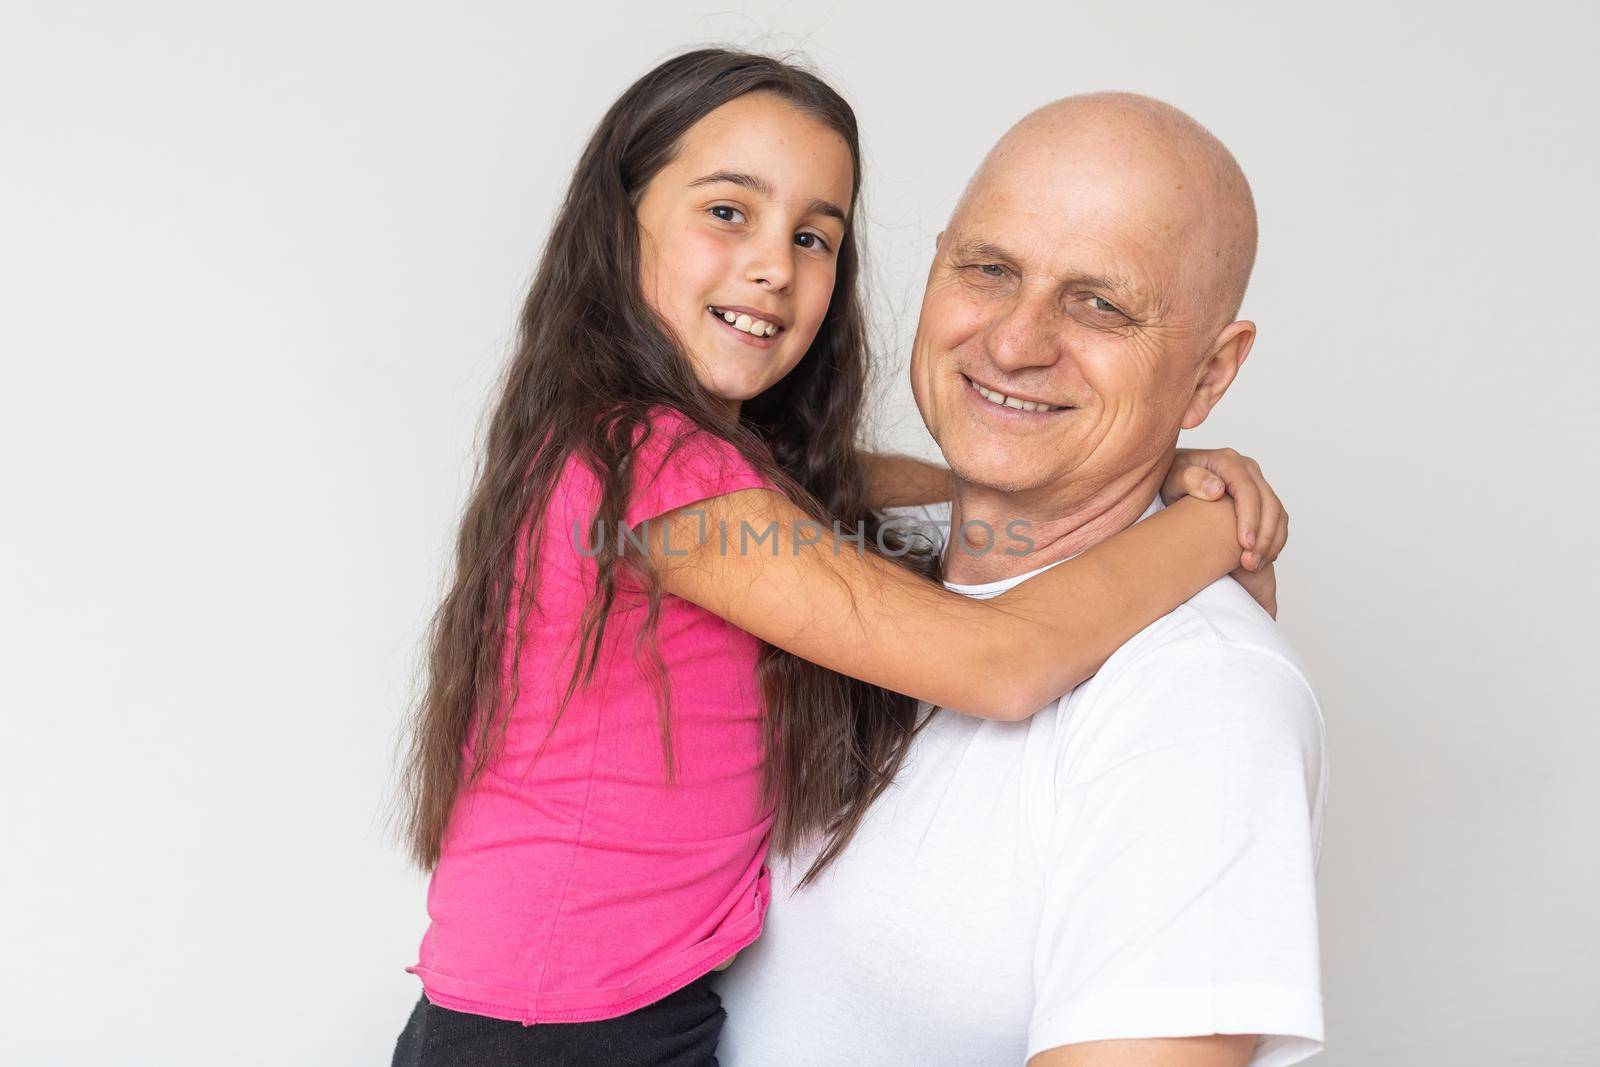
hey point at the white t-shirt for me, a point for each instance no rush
(1136, 860)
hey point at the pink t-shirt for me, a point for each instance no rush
(580, 885)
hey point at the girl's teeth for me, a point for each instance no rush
(745, 323)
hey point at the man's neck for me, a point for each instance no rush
(1059, 520)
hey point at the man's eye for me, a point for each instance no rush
(810, 240)
(1100, 303)
(728, 214)
(993, 270)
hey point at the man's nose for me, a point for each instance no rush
(1024, 337)
(771, 260)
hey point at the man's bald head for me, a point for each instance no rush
(1186, 185)
(1080, 306)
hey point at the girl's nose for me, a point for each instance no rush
(771, 264)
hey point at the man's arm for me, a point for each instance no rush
(1218, 1050)
(1180, 906)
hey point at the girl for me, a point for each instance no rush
(630, 696)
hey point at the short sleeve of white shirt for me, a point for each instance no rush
(1179, 895)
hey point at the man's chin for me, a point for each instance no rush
(994, 473)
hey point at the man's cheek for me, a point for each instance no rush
(953, 314)
(1146, 359)
(1123, 375)
(970, 317)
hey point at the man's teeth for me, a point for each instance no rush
(757, 327)
(1011, 401)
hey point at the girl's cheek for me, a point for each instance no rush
(818, 295)
(708, 258)
(681, 284)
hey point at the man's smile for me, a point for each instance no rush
(1012, 404)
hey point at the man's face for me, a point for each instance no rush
(1060, 282)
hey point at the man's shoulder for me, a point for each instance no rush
(1222, 618)
(1218, 655)
(1218, 663)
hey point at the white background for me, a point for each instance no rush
(259, 266)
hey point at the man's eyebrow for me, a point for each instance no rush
(756, 183)
(1117, 286)
(977, 248)
(980, 249)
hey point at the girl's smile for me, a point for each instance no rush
(751, 325)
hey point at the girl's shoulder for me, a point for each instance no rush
(675, 463)
(679, 463)
(667, 431)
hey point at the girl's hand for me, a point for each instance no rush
(1207, 473)
(1262, 584)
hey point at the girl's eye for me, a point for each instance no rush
(1100, 303)
(728, 214)
(810, 240)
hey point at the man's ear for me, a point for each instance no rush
(1218, 370)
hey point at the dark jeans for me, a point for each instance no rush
(679, 1030)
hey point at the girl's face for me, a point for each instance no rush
(739, 238)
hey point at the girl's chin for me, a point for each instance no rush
(736, 396)
(731, 393)
(735, 388)
(741, 379)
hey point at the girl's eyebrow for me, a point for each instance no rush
(756, 183)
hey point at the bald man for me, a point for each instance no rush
(1125, 879)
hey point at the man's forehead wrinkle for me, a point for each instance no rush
(1201, 208)
(1085, 224)
(971, 247)
(1072, 264)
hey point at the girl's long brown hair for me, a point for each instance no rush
(591, 359)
